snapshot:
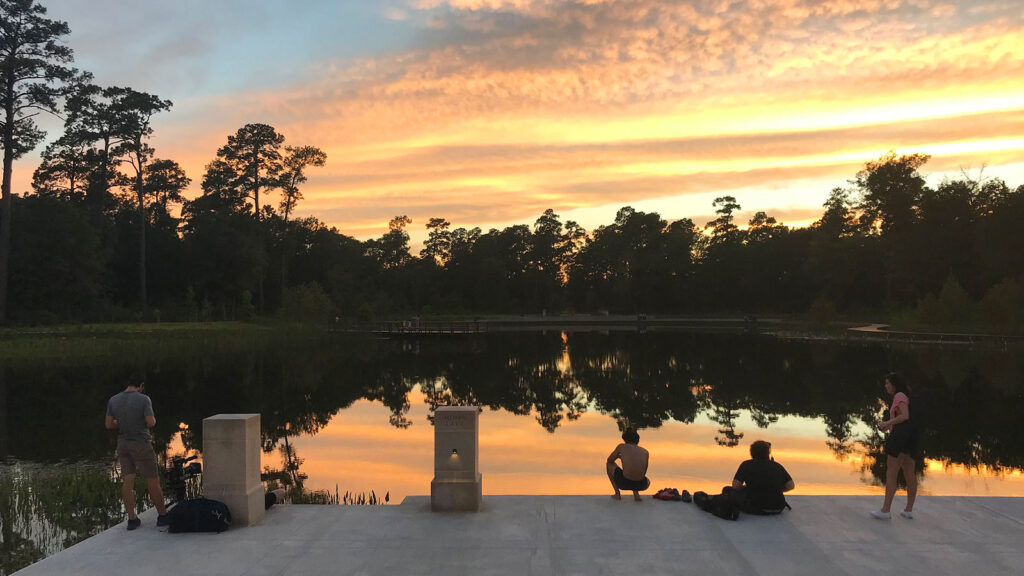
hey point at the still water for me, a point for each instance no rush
(351, 414)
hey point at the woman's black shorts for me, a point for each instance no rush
(902, 440)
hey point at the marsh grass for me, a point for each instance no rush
(302, 496)
(46, 508)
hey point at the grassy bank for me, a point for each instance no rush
(85, 342)
(81, 341)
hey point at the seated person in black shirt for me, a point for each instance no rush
(761, 482)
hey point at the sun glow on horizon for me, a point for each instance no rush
(359, 452)
(470, 117)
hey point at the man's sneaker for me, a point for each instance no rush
(685, 497)
(880, 515)
(134, 523)
(163, 520)
(907, 514)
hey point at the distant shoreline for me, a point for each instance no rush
(778, 326)
(775, 325)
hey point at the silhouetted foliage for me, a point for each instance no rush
(35, 78)
(890, 245)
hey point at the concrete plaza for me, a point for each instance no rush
(585, 535)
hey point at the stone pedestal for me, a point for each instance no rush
(231, 465)
(457, 485)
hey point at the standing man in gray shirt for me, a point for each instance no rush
(131, 413)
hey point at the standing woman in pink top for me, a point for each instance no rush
(900, 447)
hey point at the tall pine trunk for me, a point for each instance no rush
(142, 237)
(285, 247)
(259, 225)
(6, 199)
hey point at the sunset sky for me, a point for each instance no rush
(487, 112)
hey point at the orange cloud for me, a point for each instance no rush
(503, 108)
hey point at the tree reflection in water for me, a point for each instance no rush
(642, 380)
(298, 384)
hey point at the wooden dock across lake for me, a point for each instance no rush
(413, 328)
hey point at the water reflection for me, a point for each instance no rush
(718, 391)
(641, 380)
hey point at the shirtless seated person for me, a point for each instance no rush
(633, 474)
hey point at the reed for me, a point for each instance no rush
(326, 497)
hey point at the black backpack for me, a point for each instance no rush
(199, 515)
(722, 505)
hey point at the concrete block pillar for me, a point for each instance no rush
(457, 485)
(231, 465)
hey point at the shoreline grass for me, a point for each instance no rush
(103, 341)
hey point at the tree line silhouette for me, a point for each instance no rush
(100, 238)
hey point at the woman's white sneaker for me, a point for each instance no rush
(880, 515)
(907, 514)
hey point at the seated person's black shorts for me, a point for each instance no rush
(626, 484)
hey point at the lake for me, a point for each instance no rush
(348, 414)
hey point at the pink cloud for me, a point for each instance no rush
(505, 107)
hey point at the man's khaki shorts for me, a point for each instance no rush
(137, 458)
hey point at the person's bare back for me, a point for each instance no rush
(634, 461)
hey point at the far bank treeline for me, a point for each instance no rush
(100, 237)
